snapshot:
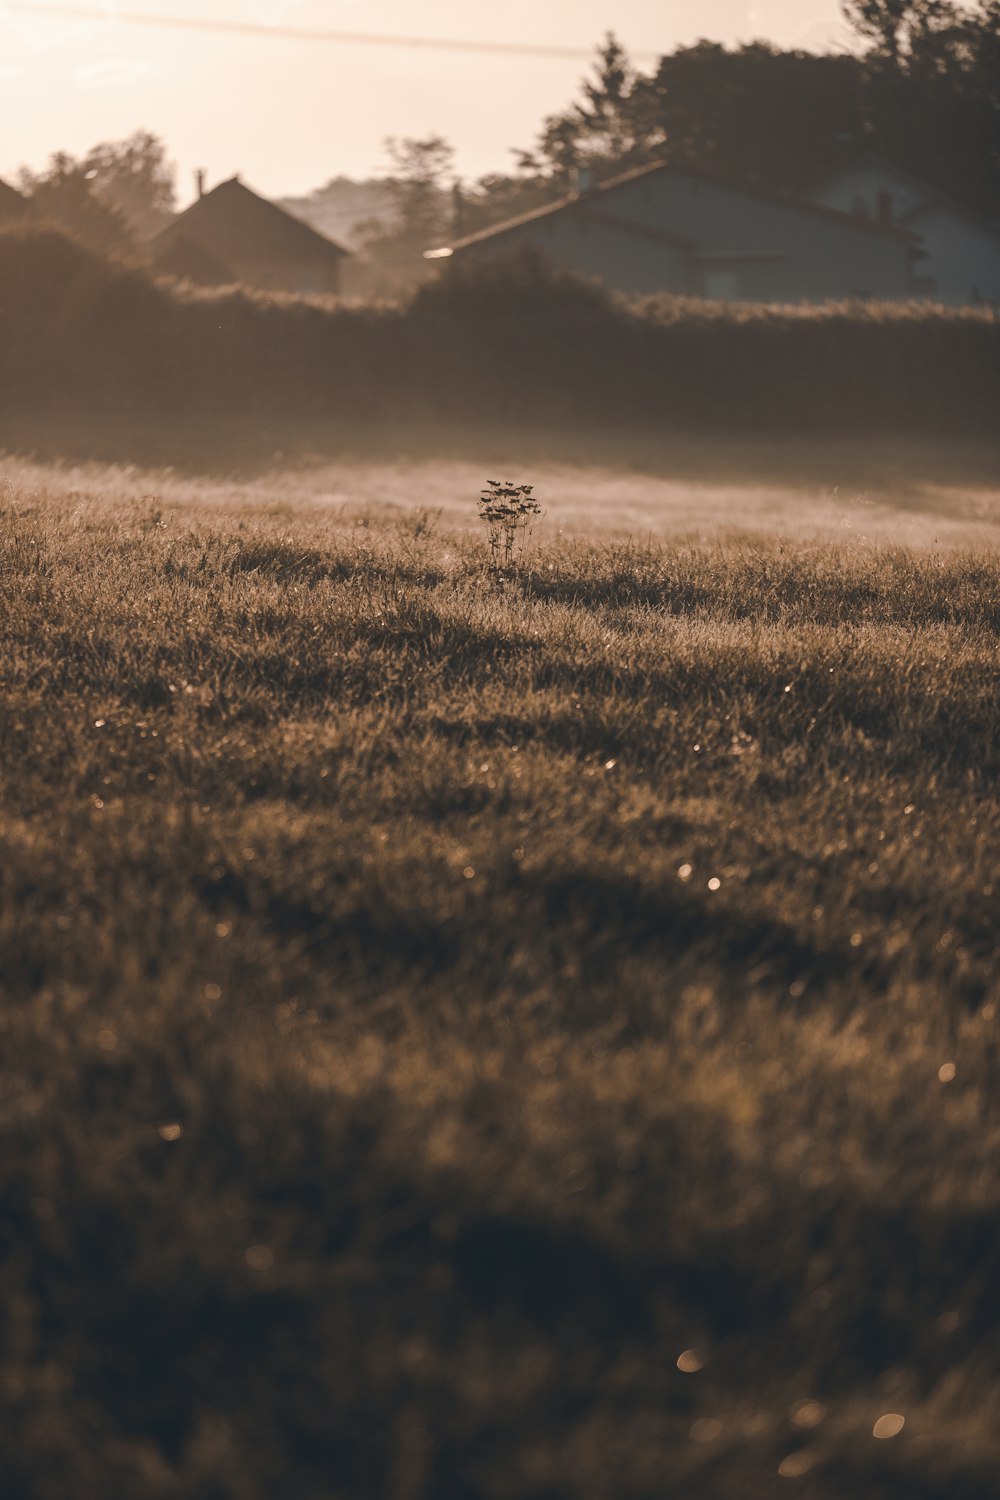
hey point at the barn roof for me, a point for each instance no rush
(596, 202)
(228, 220)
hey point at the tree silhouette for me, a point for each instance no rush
(64, 195)
(135, 177)
(113, 198)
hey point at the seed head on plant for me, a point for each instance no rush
(508, 512)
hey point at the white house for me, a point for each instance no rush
(667, 229)
(962, 252)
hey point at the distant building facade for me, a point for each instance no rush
(962, 252)
(231, 234)
(664, 229)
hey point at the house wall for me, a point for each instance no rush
(627, 262)
(963, 258)
(747, 248)
(772, 251)
(303, 275)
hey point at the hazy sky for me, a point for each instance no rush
(290, 114)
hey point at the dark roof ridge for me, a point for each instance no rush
(783, 200)
(933, 195)
(941, 200)
(176, 226)
(698, 174)
(878, 160)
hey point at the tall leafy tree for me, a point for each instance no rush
(135, 177)
(756, 115)
(113, 198)
(931, 91)
(611, 126)
(421, 206)
(895, 29)
(63, 194)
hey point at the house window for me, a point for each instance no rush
(723, 286)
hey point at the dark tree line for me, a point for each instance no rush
(113, 198)
(922, 89)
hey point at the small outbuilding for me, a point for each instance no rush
(961, 250)
(233, 235)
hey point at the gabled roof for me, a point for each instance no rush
(930, 197)
(881, 164)
(13, 205)
(941, 200)
(595, 204)
(230, 218)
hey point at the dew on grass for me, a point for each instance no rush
(889, 1425)
(795, 1465)
(947, 1072)
(171, 1131)
(715, 883)
(807, 1413)
(690, 1362)
(685, 872)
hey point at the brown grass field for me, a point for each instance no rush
(498, 1040)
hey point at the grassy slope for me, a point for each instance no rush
(383, 1111)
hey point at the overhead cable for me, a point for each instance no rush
(111, 15)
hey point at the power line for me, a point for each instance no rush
(304, 33)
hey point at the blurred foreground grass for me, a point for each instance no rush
(432, 1011)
